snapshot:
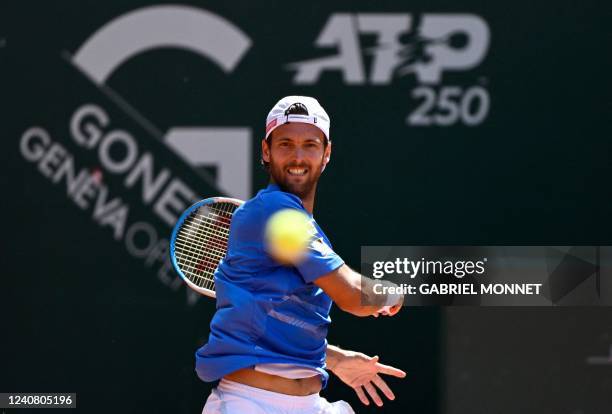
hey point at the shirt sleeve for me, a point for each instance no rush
(319, 259)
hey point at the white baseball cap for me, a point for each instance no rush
(316, 115)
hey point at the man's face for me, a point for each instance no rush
(296, 155)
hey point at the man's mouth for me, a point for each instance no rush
(297, 172)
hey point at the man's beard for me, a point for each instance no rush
(302, 190)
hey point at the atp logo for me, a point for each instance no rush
(424, 46)
(193, 30)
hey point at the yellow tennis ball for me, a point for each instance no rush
(287, 235)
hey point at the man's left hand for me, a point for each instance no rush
(361, 372)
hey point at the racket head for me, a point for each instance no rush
(199, 241)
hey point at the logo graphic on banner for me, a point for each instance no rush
(124, 167)
(426, 46)
(197, 31)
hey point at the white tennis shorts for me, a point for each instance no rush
(234, 398)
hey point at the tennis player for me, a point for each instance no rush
(267, 342)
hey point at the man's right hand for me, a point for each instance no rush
(390, 310)
(395, 308)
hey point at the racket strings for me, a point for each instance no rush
(200, 235)
(201, 242)
(201, 258)
(204, 232)
(199, 263)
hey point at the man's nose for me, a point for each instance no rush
(299, 154)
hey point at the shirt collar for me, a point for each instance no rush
(275, 187)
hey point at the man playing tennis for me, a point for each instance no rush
(267, 340)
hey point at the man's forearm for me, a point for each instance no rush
(355, 293)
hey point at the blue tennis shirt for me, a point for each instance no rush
(267, 312)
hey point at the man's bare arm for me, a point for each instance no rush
(350, 291)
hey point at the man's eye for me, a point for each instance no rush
(283, 144)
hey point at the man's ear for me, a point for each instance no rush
(265, 150)
(326, 156)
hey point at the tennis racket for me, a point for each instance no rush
(199, 241)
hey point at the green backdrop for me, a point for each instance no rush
(452, 123)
